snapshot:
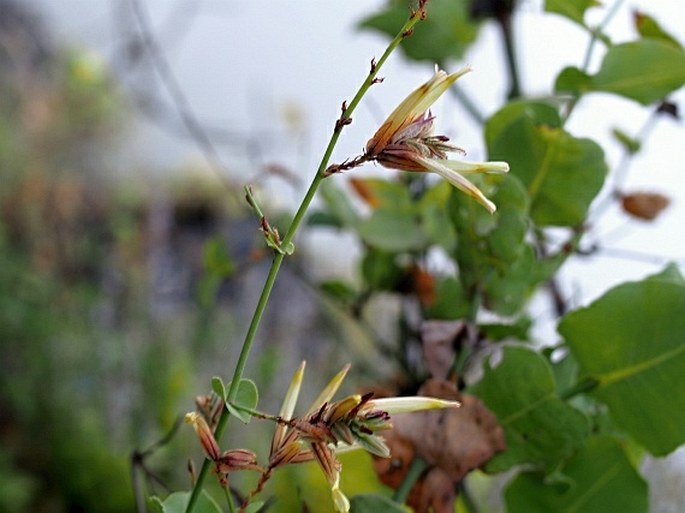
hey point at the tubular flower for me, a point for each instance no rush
(353, 422)
(406, 140)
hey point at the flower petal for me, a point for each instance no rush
(457, 180)
(470, 168)
(288, 407)
(412, 107)
(329, 390)
(410, 404)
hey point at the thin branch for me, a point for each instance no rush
(166, 74)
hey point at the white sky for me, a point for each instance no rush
(242, 63)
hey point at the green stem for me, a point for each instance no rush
(581, 387)
(505, 24)
(278, 258)
(229, 499)
(590, 50)
(417, 467)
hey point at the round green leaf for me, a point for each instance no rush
(540, 428)
(562, 174)
(247, 397)
(632, 342)
(644, 71)
(219, 387)
(598, 479)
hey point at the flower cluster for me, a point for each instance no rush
(406, 141)
(328, 427)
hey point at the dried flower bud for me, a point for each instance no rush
(204, 433)
(237, 459)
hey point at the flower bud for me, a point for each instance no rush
(204, 433)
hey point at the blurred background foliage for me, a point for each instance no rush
(119, 299)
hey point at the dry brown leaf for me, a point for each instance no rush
(644, 205)
(365, 192)
(438, 339)
(456, 440)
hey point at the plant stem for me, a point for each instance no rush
(581, 387)
(418, 465)
(278, 257)
(590, 50)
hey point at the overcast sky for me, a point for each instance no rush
(251, 66)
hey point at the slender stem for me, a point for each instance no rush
(278, 258)
(581, 387)
(506, 27)
(229, 499)
(417, 467)
(590, 50)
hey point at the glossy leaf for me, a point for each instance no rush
(540, 428)
(445, 33)
(598, 479)
(178, 501)
(631, 342)
(572, 9)
(645, 71)
(247, 397)
(373, 503)
(562, 174)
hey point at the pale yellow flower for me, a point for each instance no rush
(406, 141)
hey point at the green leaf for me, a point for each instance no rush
(540, 428)
(247, 397)
(218, 387)
(645, 71)
(630, 144)
(435, 220)
(338, 206)
(380, 270)
(254, 507)
(339, 290)
(561, 173)
(650, 28)
(217, 259)
(600, 479)
(450, 301)
(374, 503)
(491, 251)
(393, 230)
(572, 9)
(178, 501)
(632, 342)
(518, 330)
(379, 193)
(446, 32)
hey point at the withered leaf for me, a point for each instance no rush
(438, 339)
(644, 205)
